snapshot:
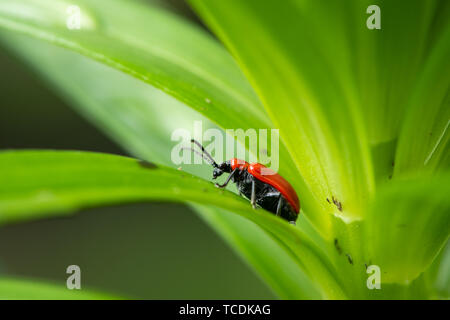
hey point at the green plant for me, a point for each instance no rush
(363, 118)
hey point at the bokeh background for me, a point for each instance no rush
(148, 251)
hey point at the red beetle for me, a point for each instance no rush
(269, 190)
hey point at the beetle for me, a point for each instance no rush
(259, 184)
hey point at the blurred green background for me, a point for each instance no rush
(150, 251)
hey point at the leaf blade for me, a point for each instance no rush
(253, 245)
(129, 111)
(51, 183)
(205, 77)
(111, 43)
(303, 92)
(407, 225)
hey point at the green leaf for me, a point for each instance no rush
(127, 110)
(284, 274)
(157, 49)
(389, 62)
(347, 99)
(135, 115)
(40, 183)
(296, 56)
(407, 225)
(428, 129)
(21, 289)
(441, 273)
(139, 117)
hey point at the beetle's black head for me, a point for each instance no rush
(221, 168)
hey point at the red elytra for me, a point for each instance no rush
(273, 179)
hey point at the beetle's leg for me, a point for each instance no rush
(253, 197)
(292, 222)
(226, 181)
(280, 200)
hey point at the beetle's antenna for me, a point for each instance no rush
(204, 152)
(213, 163)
